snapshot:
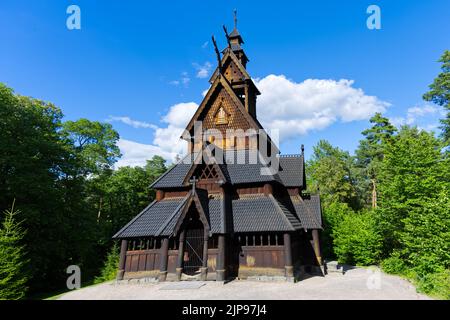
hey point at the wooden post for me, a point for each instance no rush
(122, 259)
(159, 195)
(220, 268)
(268, 189)
(316, 242)
(180, 260)
(164, 256)
(288, 256)
(204, 269)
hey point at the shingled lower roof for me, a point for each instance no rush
(152, 219)
(238, 169)
(249, 213)
(308, 210)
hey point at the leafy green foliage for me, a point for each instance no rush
(369, 156)
(394, 264)
(333, 213)
(13, 275)
(412, 173)
(109, 270)
(436, 284)
(425, 239)
(332, 170)
(94, 143)
(440, 93)
(357, 240)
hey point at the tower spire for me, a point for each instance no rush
(235, 18)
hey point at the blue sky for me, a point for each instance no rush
(130, 57)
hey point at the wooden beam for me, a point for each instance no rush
(316, 245)
(122, 259)
(220, 267)
(159, 195)
(288, 255)
(180, 260)
(204, 269)
(268, 189)
(164, 257)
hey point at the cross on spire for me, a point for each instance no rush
(193, 181)
(235, 19)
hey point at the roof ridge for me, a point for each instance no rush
(293, 155)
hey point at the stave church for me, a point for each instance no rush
(233, 207)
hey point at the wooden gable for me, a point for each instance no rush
(233, 70)
(221, 96)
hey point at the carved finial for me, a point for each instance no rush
(219, 60)
(227, 36)
(235, 18)
(303, 149)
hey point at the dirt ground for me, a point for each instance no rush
(356, 284)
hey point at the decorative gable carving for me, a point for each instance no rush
(221, 116)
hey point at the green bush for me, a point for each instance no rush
(394, 264)
(333, 214)
(109, 270)
(435, 284)
(356, 239)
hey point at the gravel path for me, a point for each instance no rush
(356, 284)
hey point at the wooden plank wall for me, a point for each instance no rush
(262, 257)
(142, 260)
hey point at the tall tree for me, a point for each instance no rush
(413, 171)
(439, 93)
(95, 143)
(13, 274)
(332, 170)
(370, 155)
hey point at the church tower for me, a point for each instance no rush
(230, 102)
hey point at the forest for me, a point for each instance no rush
(61, 199)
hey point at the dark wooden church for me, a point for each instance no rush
(223, 216)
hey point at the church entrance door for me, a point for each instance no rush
(193, 256)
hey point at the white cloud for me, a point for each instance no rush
(131, 122)
(297, 108)
(166, 142)
(205, 44)
(293, 108)
(136, 154)
(203, 70)
(425, 117)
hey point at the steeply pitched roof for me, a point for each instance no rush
(291, 170)
(151, 219)
(237, 170)
(308, 210)
(222, 82)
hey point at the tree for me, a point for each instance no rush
(425, 239)
(13, 274)
(370, 155)
(333, 171)
(94, 142)
(109, 270)
(357, 240)
(439, 93)
(117, 197)
(413, 171)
